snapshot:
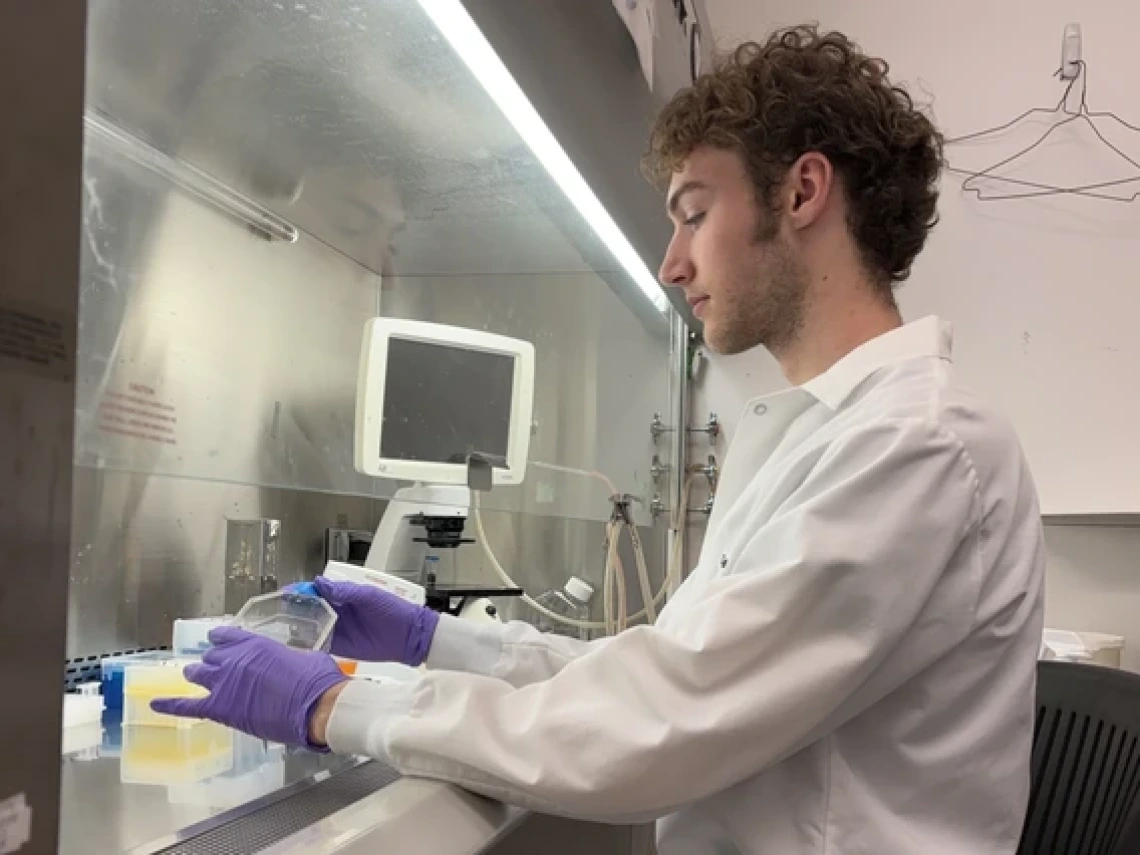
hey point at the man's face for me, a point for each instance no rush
(731, 256)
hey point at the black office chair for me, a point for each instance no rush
(1086, 763)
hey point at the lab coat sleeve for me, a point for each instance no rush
(823, 613)
(515, 652)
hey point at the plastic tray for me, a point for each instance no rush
(294, 619)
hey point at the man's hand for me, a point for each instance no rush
(322, 712)
(375, 626)
(258, 686)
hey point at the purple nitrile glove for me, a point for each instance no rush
(257, 685)
(373, 625)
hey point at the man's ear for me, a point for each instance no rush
(808, 188)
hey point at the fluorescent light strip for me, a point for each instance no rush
(464, 36)
(191, 179)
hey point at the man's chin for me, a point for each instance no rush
(727, 342)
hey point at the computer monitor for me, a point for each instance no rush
(430, 396)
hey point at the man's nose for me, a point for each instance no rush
(676, 269)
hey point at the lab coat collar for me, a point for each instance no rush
(930, 336)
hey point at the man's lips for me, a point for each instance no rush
(697, 304)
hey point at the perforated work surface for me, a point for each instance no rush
(273, 823)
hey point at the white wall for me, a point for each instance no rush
(1094, 580)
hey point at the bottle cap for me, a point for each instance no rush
(578, 589)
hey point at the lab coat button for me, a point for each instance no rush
(760, 409)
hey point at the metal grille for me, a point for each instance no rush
(85, 669)
(271, 824)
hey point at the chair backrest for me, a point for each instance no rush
(1086, 762)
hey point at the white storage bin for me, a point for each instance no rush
(1094, 648)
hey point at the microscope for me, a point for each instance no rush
(420, 522)
(449, 409)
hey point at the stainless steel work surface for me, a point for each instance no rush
(194, 779)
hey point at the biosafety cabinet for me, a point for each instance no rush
(202, 206)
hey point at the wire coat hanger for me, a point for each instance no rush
(1036, 189)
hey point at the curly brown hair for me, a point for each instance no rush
(803, 91)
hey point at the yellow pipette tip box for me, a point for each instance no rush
(170, 755)
(144, 683)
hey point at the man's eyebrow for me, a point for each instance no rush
(687, 187)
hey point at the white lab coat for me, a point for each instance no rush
(849, 669)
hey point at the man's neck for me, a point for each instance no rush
(833, 327)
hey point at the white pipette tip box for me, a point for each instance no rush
(337, 571)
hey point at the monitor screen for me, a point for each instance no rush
(443, 403)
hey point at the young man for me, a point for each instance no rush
(850, 668)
